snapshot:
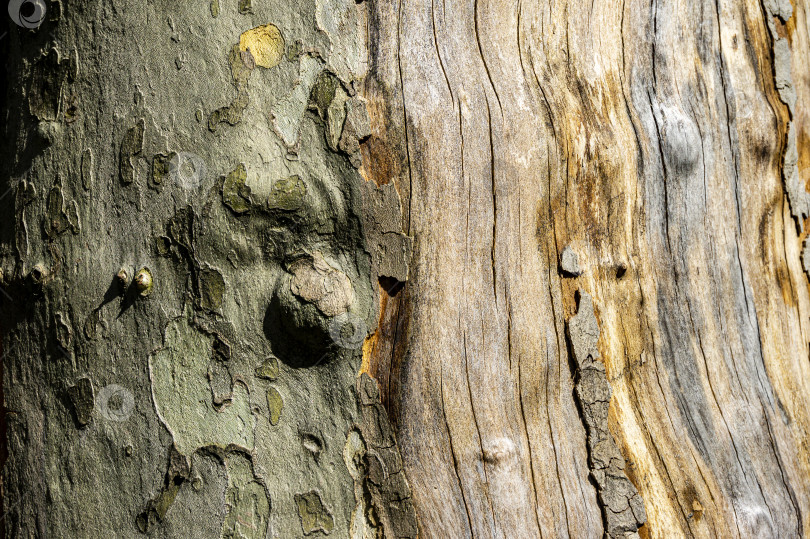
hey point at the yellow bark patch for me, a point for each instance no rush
(275, 404)
(368, 350)
(265, 44)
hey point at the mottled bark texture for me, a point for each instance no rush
(666, 145)
(190, 272)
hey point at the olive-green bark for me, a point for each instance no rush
(189, 275)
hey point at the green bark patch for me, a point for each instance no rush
(178, 472)
(274, 404)
(323, 92)
(269, 369)
(71, 109)
(315, 517)
(247, 501)
(212, 289)
(83, 399)
(235, 194)
(287, 194)
(294, 50)
(245, 7)
(58, 219)
(163, 245)
(161, 167)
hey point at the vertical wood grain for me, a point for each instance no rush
(649, 137)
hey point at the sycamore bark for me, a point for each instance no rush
(190, 274)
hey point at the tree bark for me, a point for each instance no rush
(658, 142)
(490, 269)
(189, 279)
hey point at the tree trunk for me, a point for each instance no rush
(488, 269)
(188, 284)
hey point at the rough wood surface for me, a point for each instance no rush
(661, 144)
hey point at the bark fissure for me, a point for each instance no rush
(455, 460)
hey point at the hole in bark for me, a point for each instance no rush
(391, 285)
(27, 9)
(297, 338)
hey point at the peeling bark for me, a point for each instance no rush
(622, 507)
(191, 274)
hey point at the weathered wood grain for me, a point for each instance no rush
(653, 156)
(652, 139)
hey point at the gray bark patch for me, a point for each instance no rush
(622, 507)
(569, 262)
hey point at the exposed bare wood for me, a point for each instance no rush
(650, 139)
